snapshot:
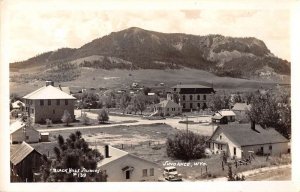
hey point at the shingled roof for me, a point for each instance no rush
(20, 153)
(193, 89)
(48, 92)
(243, 135)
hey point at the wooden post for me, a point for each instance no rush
(201, 171)
(206, 169)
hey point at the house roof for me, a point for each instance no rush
(16, 126)
(65, 89)
(15, 104)
(241, 107)
(20, 153)
(168, 103)
(243, 135)
(224, 113)
(179, 86)
(193, 89)
(48, 92)
(115, 154)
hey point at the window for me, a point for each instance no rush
(191, 105)
(145, 174)
(204, 97)
(41, 102)
(234, 151)
(127, 174)
(49, 102)
(152, 172)
(32, 110)
(191, 97)
(198, 97)
(183, 97)
(220, 137)
(221, 147)
(198, 104)
(270, 147)
(57, 102)
(183, 105)
(66, 101)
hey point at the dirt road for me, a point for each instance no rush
(174, 122)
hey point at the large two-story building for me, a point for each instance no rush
(49, 102)
(192, 96)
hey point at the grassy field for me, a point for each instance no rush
(149, 77)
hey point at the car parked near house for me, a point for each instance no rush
(171, 174)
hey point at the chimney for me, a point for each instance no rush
(106, 151)
(49, 83)
(59, 87)
(253, 125)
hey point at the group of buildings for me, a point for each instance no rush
(49, 102)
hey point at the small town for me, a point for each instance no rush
(185, 132)
(147, 94)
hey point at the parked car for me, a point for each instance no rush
(171, 174)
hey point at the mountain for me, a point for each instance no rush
(136, 48)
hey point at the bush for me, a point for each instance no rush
(103, 116)
(48, 122)
(186, 146)
(66, 118)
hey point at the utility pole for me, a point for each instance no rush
(187, 124)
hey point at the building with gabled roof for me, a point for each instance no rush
(19, 132)
(167, 107)
(240, 109)
(224, 116)
(192, 96)
(49, 102)
(121, 166)
(239, 140)
(24, 162)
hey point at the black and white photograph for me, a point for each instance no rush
(140, 92)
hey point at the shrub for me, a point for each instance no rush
(103, 116)
(48, 122)
(186, 146)
(66, 118)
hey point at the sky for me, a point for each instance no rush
(35, 28)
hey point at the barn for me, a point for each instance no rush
(24, 162)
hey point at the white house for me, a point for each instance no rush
(224, 113)
(167, 107)
(19, 133)
(239, 140)
(122, 166)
